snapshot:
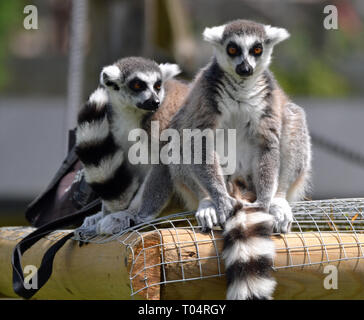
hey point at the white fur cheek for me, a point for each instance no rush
(224, 61)
(263, 62)
(119, 98)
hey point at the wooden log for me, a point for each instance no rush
(310, 252)
(78, 272)
(179, 263)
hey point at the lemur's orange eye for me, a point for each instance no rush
(256, 50)
(232, 50)
(158, 85)
(137, 85)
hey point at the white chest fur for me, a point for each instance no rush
(126, 124)
(241, 111)
(122, 123)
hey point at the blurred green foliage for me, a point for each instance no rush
(11, 17)
(315, 78)
(315, 70)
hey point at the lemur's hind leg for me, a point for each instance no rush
(298, 189)
(295, 167)
(280, 207)
(155, 194)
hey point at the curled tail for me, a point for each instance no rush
(248, 253)
(106, 168)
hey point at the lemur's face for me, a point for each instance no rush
(142, 87)
(244, 48)
(242, 54)
(144, 90)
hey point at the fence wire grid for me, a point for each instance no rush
(332, 224)
(328, 231)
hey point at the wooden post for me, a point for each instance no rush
(114, 270)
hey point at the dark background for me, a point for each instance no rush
(320, 69)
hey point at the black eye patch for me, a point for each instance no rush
(158, 85)
(256, 50)
(113, 85)
(233, 50)
(137, 85)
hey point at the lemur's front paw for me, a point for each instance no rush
(225, 209)
(206, 215)
(115, 223)
(85, 233)
(88, 227)
(92, 220)
(282, 213)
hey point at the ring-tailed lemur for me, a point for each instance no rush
(132, 92)
(236, 90)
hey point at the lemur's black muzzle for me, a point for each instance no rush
(150, 104)
(244, 69)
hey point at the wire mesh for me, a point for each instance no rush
(321, 226)
(172, 249)
(337, 223)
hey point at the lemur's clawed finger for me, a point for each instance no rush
(206, 215)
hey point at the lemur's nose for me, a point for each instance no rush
(151, 104)
(155, 103)
(244, 69)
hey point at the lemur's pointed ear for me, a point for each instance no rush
(109, 75)
(214, 34)
(276, 35)
(169, 70)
